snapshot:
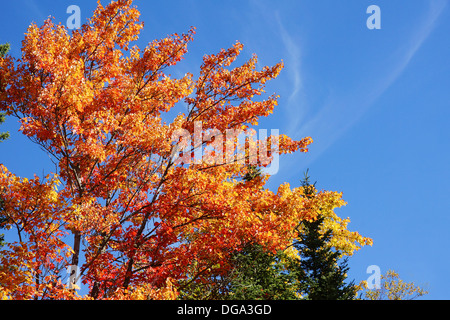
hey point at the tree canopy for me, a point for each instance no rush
(129, 207)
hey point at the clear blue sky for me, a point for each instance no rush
(376, 103)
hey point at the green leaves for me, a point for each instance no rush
(260, 275)
(4, 48)
(3, 135)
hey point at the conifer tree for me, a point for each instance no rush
(261, 275)
(258, 274)
(320, 274)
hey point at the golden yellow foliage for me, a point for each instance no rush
(392, 288)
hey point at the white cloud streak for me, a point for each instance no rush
(36, 11)
(342, 112)
(296, 105)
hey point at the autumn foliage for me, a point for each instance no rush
(135, 221)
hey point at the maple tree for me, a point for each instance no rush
(4, 48)
(135, 221)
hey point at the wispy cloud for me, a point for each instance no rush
(37, 13)
(294, 52)
(342, 112)
(295, 103)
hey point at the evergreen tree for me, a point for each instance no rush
(260, 275)
(4, 48)
(320, 274)
(252, 173)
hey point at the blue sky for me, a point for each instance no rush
(376, 103)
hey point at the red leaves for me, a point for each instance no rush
(142, 221)
(38, 214)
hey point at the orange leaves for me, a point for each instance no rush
(147, 292)
(159, 54)
(142, 220)
(37, 50)
(25, 196)
(218, 88)
(115, 24)
(287, 145)
(37, 213)
(223, 58)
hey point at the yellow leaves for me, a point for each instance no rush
(148, 292)
(100, 114)
(392, 288)
(291, 253)
(69, 252)
(4, 294)
(296, 206)
(284, 190)
(325, 203)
